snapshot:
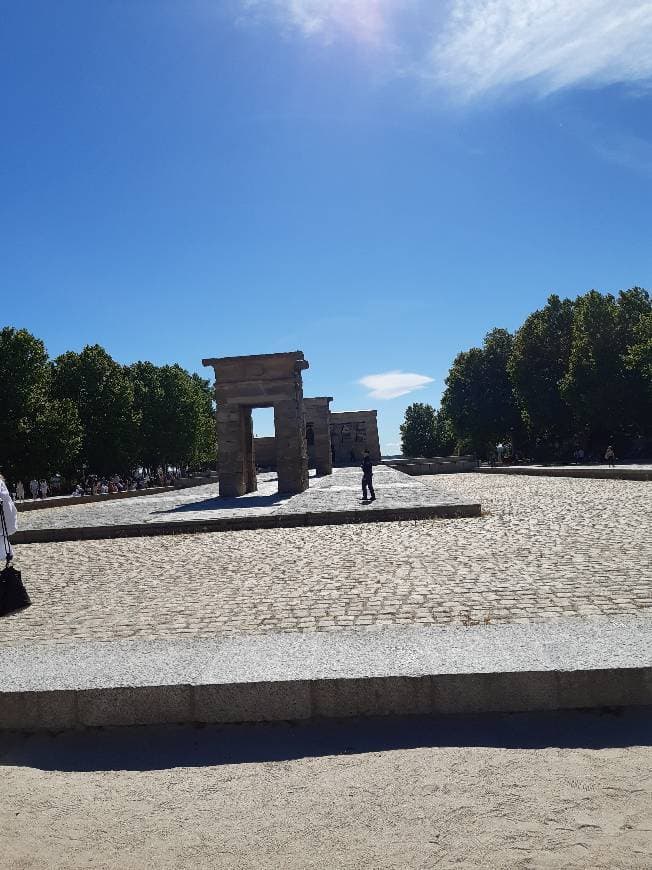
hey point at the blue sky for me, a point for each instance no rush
(373, 182)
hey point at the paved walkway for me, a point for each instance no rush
(545, 548)
(337, 492)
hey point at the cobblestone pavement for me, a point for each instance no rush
(339, 491)
(545, 548)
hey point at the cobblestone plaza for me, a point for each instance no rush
(544, 548)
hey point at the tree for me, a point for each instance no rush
(537, 365)
(39, 435)
(635, 338)
(418, 430)
(55, 441)
(149, 408)
(175, 413)
(595, 384)
(638, 360)
(187, 427)
(103, 395)
(445, 440)
(479, 400)
(205, 447)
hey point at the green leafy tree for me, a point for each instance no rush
(205, 446)
(479, 400)
(103, 395)
(39, 435)
(445, 440)
(595, 385)
(638, 360)
(149, 407)
(188, 417)
(418, 435)
(55, 441)
(635, 339)
(175, 413)
(537, 365)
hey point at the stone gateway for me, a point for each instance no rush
(262, 381)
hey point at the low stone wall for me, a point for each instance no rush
(66, 500)
(243, 523)
(435, 465)
(617, 473)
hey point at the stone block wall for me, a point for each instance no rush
(353, 432)
(265, 450)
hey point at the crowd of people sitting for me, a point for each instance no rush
(97, 485)
(93, 485)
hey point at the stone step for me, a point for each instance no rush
(561, 664)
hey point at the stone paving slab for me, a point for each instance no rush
(283, 677)
(335, 498)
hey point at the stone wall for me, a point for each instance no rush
(435, 464)
(265, 450)
(353, 432)
(317, 414)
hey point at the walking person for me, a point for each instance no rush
(43, 488)
(33, 487)
(367, 477)
(610, 457)
(20, 491)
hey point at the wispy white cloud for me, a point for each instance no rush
(389, 385)
(472, 47)
(365, 20)
(489, 44)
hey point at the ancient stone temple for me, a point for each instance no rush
(353, 432)
(318, 434)
(262, 381)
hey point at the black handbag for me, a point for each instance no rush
(13, 594)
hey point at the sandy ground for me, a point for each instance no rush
(567, 790)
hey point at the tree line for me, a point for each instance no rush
(84, 413)
(576, 374)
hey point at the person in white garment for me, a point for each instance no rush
(11, 520)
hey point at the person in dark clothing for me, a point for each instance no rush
(367, 477)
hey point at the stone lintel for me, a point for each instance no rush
(270, 366)
(318, 401)
(354, 415)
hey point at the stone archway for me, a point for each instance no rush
(259, 381)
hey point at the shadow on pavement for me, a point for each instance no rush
(217, 503)
(161, 747)
(223, 504)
